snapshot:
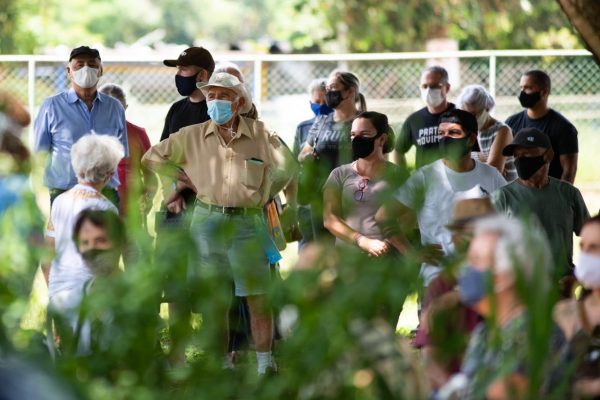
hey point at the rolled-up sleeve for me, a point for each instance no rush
(284, 165)
(166, 156)
(123, 131)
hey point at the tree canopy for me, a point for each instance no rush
(306, 25)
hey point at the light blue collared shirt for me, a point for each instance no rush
(62, 120)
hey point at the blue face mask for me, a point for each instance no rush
(320, 109)
(219, 111)
(472, 285)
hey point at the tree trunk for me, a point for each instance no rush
(583, 15)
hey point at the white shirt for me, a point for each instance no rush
(68, 272)
(430, 193)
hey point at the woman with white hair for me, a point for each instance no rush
(507, 280)
(94, 159)
(492, 135)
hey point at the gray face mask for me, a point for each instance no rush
(472, 285)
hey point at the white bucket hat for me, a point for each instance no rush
(225, 80)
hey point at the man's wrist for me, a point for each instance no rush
(356, 238)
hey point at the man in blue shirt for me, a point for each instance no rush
(67, 116)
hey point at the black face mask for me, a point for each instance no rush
(454, 149)
(185, 84)
(102, 262)
(528, 166)
(362, 146)
(529, 100)
(333, 98)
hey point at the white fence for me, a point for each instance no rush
(279, 82)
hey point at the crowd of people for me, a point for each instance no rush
(481, 228)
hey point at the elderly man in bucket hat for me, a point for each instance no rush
(558, 205)
(445, 320)
(234, 165)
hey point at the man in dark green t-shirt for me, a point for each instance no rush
(558, 205)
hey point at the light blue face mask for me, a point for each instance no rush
(219, 111)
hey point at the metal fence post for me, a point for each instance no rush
(493, 75)
(31, 92)
(258, 82)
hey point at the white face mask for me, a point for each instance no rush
(482, 119)
(86, 77)
(432, 97)
(587, 271)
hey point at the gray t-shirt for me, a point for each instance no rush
(331, 141)
(559, 208)
(361, 197)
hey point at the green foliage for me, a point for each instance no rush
(14, 37)
(376, 26)
(116, 21)
(338, 339)
(329, 25)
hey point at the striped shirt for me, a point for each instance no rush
(485, 138)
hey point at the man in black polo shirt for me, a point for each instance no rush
(420, 128)
(535, 90)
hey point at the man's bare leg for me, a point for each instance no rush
(261, 323)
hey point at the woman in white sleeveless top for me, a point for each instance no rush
(492, 135)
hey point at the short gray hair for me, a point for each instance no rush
(436, 69)
(522, 246)
(315, 84)
(475, 95)
(95, 157)
(116, 91)
(230, 68)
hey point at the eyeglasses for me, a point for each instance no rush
(362, 185)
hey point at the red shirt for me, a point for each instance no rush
(138, 143)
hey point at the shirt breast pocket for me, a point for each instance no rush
(254, 173)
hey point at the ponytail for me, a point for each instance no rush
(362, 103)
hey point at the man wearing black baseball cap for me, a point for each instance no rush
(84, 51)
(67, 116)
(194, 65)
(558, 205)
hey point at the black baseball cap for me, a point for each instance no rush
(465, 119)
(197, 56)
(84, 50)
(528, 137)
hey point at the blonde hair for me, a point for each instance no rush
(349, 80)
